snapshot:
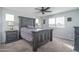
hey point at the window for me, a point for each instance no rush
(57, 22)
(9, 17)
(37, 23)
(52, 22)
(60, 22)
(9, 20)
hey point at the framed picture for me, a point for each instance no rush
(44, 21)
(69, 19)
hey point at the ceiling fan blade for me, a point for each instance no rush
(47, 8)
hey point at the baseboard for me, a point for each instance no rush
(2, 42)
(64, 38)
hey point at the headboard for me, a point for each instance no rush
(25, 21)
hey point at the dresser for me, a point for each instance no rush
(12, 36)
(76, 44)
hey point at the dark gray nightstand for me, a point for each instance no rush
(11, 36)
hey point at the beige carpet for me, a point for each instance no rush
(57, 45)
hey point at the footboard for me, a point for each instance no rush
(41, 37)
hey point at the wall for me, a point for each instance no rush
(16, 22)
(68, 31)
(4, 25)
(0, 25)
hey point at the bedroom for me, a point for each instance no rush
(63, 31)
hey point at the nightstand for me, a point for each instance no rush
(12, 36)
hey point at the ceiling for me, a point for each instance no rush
(31, 12)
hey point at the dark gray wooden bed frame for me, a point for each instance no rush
(39, 37)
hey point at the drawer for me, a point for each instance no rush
(77, 40)
(76, 46)
(11, 33)
(76, 30)
(11, 37)
(76, 36)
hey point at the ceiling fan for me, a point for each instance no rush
(43, 10)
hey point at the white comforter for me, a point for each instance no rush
(26, 33)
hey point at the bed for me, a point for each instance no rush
(35, 37)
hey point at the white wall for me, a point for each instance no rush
(0, 25)
(68, 31)
(4, 25)
(16, 22)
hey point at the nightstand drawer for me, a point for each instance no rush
(11, 36)
(11, 32)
